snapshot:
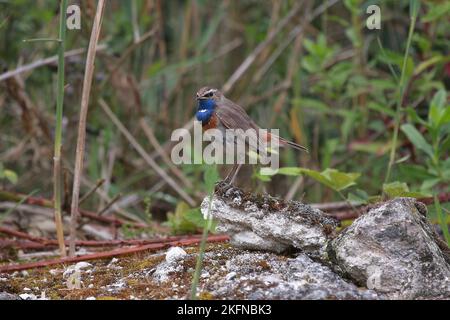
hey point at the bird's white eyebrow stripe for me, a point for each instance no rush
(210, 91)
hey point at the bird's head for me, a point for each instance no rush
(208, 93)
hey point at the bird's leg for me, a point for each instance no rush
(233, 173)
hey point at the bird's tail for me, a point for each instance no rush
(293, 145)
(284, 142)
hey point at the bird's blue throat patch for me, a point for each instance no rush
(205, 110)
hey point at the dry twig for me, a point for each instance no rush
(89, 71)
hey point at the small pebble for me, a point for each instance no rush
(27, 296)
(174, 254)
(54, 272)
(230, 276)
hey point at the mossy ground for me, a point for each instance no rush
(134, 271)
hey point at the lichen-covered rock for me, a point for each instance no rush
(257, 275)
(267, 223)
(8, 296)
(393, 250)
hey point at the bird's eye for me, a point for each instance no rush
(209, 95)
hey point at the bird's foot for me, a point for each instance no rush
(223, 186)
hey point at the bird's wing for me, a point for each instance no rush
(233, 116)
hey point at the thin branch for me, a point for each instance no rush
(42, 202)
(109, 205)
(109, 254)
(44, 62)
(89, 71)
(90, 192)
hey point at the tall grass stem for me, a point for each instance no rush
(400, 92)
(57, 177)
(201, 253)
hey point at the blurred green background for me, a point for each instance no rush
(316, 73)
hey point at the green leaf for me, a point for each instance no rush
(309, 45)
(442, 219)
(290, 171)
(314, 104)
(395, 189)
(263, 177)
(436, 10)
(378, 148)
(10, 175)
(437, 110)
(333, 178)
(328, 150)
(177, 221)
(417, 139)
(287, 171)
(394, 58)
(400, 189)
(429, 183)
(195, 217)
(381, 108)
(414, 172)
(445, 117)
(211, 177)
(358, 197)
(427, 63)
(415, 117)
(155, 68)
(403, 159)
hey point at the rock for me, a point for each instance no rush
(174, 254)
(27, 296)
(113, 264)
(8, 296)
(77, 267)
(256, 275)
(394, 250)
(230, 276)
(117, 286)
(165, 270)
(391, 250)
(266, 223)
(74, 280)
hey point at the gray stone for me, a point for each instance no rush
(394, 250)
(8, 296)
(259, 275)
(266, 223)
(166, 269)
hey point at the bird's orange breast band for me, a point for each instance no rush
(212, 123)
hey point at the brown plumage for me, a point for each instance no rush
(233, 116)
(216, 111)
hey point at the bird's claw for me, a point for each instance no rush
(223, 185)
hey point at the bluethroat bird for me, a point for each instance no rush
(215, 111)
